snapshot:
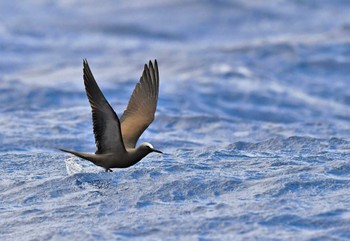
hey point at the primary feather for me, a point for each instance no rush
(142, 105)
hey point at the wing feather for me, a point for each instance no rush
(106, 124)
(142, 105)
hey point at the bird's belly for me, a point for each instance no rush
(113, 161)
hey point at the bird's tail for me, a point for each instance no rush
(85, 156)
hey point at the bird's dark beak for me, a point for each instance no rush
(157, 151)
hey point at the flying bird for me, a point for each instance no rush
(116, 138)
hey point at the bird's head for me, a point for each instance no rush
(148, 147)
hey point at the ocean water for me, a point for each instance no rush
(253, 116)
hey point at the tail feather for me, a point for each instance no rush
(85, 156)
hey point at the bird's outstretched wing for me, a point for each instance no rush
(106, 123)
(142, 105)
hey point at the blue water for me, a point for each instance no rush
(253, 116)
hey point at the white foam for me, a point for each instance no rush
(76, 165)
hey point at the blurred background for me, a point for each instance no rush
(253, 110)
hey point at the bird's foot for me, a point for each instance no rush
(109, 170)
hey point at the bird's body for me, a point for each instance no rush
(116, 139)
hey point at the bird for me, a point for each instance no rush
(116, 138)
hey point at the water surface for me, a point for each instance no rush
(253, 114)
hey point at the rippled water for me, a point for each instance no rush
(253, 117)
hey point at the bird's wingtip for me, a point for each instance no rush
(145, 68)
(150, 62)
(85, 62)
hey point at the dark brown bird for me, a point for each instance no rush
(116, 139)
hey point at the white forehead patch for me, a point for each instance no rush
(148, 144)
